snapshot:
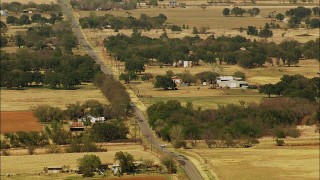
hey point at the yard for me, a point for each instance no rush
(23, 100)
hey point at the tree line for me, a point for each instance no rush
(35, 18)
(46, 67)
(108, 20)
(230, 125)
(137, 49)
(294, 86)
(102, 5)
(41, 8)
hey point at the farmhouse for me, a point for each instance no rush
(92, 119)
(231, 82)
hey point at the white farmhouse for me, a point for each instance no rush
(91, 118)
(231, 82)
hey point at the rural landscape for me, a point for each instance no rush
(160, 89)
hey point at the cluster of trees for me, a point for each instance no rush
(229, 50)
(41, 8)
(116, 94)
(228, 125)
(35, 18)
(46, 67)
(294, 86)
(89, 164)
(299, 14)
(265, 32)
(103, 5)
(108, 20)
(3, 38)
(237, 11)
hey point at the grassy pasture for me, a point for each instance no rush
(22, 100)
(298, 159)
(35, 163)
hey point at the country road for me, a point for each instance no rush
(185, 163)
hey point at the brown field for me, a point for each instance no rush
(142, 178)
(298, 159)
(23, 100)
(19, 121)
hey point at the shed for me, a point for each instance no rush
(176, 79)
(54, 169)
(4, 12)
(76, 126)
(116, 168)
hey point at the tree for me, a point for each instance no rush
(238, 11)
(240, 74)
(88, 164)
(265, 33)
(125, 161)
(3, 41)
(24, 19)
(164, 82)
(46, 113)
(316, 11)
(105, 132)
(19, 41)
(226, 12)
(280, 17)
(315, 23)
(253, 11)
(135, 65)
(74, 111)
(252, 31)
(267, 89)
(169, 163)
(11, 20)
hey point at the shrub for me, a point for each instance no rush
(5, 152)
(31, 149)
(53, 149)
(293, 132)
(279, 133)
(279, 142)
(169, 163)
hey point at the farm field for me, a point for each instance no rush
(23, 100)
(8, 163)
(27, 1)
(19, 121)
(298, 159)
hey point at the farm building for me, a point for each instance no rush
(4, 12)
(176, 79)
(92, 119)
(173, 3)
(231, 82)
(116, 168)
(29, 10)
(54, 169)
(76, 126)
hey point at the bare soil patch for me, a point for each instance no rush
(19, 121)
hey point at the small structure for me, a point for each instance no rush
(29, 10)
(173, 3)
(76, 126)
(231, 82)
(54, 169)
(116, 168)
(187, 64)
(142, 4)
(176, 79)
(4, 12)
(92, 119)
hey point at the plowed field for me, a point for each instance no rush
(19, 121)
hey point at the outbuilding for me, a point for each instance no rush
(231, 82)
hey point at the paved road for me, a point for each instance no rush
(190, 169)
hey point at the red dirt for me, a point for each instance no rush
(18, 121)
(141, 178)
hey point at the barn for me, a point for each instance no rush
(231, 82)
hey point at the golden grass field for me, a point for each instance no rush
(35, 163)
(299, 159)
(23, 100)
